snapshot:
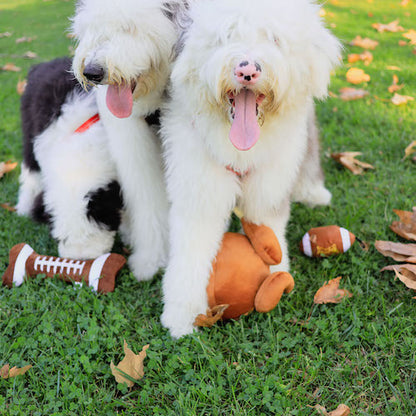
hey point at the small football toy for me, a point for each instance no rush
(326, 241)
(100, 273)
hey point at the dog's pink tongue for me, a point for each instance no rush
(245, 130)
(120, 100)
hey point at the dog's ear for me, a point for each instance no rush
(178, 13)
(175, 10)
(325, 56)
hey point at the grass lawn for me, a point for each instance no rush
(360, 352)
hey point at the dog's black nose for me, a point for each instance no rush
(94, 73)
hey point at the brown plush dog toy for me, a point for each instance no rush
(100, 274)
(240, 280)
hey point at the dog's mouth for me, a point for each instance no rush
(245, 116)
(119, 98)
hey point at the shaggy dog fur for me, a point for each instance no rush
(68, 179)
(236, 132)
(126, 48)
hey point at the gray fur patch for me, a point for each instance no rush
(177, 12)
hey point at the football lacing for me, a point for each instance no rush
(45, 264)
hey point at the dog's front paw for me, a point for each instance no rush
(86, 248)
(144, 265)
(178, 320)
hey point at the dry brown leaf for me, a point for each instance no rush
(366, 57)
(406, 227)
(8, 207)
(411, 35)
(212, 317)
(405, 273)
(404, 3)
(395, 86)
(341, 410)
(26, 39)
(393, 68)
(131, 364)
(30, 55)
(410, 149)
(348, 160)
(357, 76)
(365, 43)
(349, 94)
(10, 67)
(7, 372)
(5, 35)
(402, 43)
(21, 86)
(401, 99)
(6, 167)
(397, 251)
(330, 292)
(389, 27)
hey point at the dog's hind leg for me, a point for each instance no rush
(310, 187)
(30, 188)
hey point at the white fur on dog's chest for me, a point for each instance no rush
(278, 139)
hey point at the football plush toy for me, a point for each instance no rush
(326, 241)
(100, 273)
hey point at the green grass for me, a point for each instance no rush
(360, 352)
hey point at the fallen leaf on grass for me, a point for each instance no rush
(330, 292)
(365, 43)
(404, 272)
(132, 365)
(341, 410)
(21, 86)
(5, 35)
(30, 55)
(7, 372)
(393, 68)
(397, 251)
(401, 99)
(349, 94)
(410, 149)
(6, 167)
(10, 68)
(212, 317)
(26, 39)
(357, 76)
(404, 3)
(411, 35)
(395, 86)
(366, 57)
(348, 160)
(8, 207)
(406, 227)
(389, 27)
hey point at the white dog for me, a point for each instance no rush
(129, 45)
(126, 47)
(236, 131)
